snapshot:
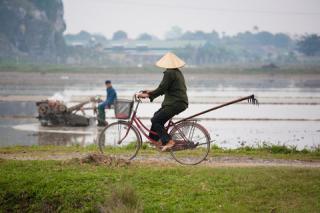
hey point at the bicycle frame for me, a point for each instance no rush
(142, 128)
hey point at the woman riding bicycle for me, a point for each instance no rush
(174, 89)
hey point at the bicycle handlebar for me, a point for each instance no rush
(135, 96)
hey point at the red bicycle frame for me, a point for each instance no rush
(142, 128)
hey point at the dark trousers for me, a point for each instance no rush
(101, 113)
(159, 119)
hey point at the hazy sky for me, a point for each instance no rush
(157, 17)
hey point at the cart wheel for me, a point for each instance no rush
(120, 138)
(192, 143)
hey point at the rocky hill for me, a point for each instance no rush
(32, 30)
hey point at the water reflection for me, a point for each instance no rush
(60, 139)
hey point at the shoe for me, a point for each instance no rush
(168, 146)
(102, 124)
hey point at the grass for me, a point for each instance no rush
(264, 151)
(123, 198)
(270, 151)
(33, 186)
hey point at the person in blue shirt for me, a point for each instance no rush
(110, 98)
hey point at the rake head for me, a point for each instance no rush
(253, 100)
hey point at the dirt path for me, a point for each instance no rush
(166, 159)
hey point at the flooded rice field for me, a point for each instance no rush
(288, 115)
(230, 127)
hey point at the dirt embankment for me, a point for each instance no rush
(158, 159)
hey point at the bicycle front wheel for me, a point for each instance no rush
(120, 138)
(192, 143)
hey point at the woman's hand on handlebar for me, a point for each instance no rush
(146, 91)
(142, 95)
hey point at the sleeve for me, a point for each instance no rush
(111, 97)
(163, 87)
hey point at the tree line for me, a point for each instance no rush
(250, 46)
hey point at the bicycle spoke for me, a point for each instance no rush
(192, 131)
(120, 138)
(199, 139)
(192, 143)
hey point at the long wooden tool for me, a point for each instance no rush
(251, 99)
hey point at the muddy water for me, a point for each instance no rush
(18, 108)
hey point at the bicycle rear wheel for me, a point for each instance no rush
(192, 143)
(120, 138)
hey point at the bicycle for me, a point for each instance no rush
(192, 140)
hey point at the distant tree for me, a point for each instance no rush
(309, 45)
(214, 36)
(145, 37)
(100, 38)
(281, 40)
(174, 33)
(264, 38)
(188, 53)
(120, 35)
(187, 35)
(209, 53)
(83, 35)
(246, 38)
(197, 35)
(200, 35)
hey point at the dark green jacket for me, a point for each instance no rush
(173, 87)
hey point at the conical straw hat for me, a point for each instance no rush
(170, 61)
